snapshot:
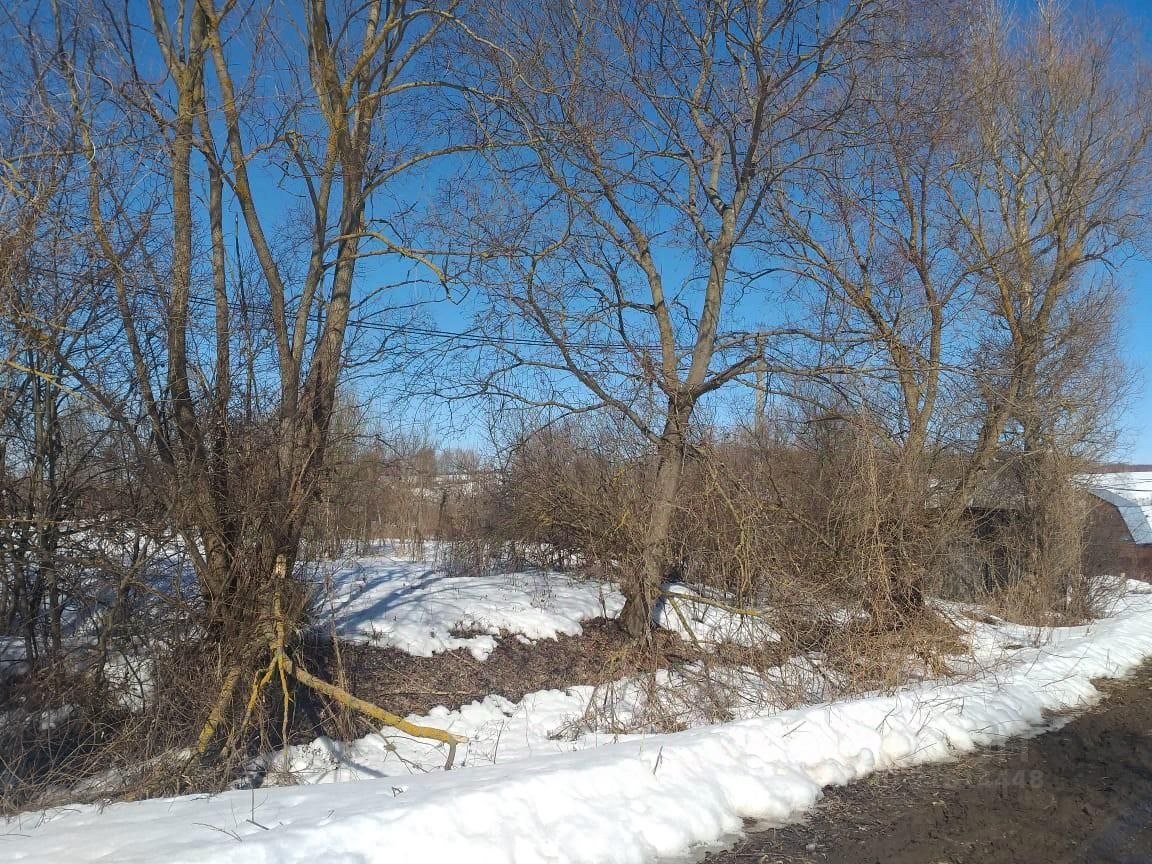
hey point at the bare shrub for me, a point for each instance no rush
(572, 493)
(784, 551)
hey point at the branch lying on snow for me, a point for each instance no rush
(283, 664)
(374, 711)
(677, 596)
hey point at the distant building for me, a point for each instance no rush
(1121, 533)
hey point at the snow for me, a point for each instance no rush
(497, 730)
(131, 679)
(13, 658)
(389, 601)
(630, 801)
(501, 731)
(687, 610)
(1131, 493)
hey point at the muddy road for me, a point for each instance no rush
(1082, 793)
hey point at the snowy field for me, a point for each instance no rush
(530, 789)
(413, 606)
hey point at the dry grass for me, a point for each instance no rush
(414, 685)
(71, 734)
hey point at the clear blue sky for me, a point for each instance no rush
(1136, 277)
(1136, 339)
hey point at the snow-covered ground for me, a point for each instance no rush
(545, 722)
(422, 610)
(552, 796)
(695, 613)
(13, 657)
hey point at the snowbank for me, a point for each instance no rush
(626, 802)
(388, 601)
(497, 729)
(543, 722)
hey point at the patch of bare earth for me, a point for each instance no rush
(1081, 794)
(404, 684)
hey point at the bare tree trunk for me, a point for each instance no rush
(715, 130)
(640, 596)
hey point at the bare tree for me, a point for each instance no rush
(50, 317)
(956, 242)
(872, 236)
(874, 245)
(636, 149)
(1057, 195)
(236, 302)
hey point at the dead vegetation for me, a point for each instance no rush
(805, 322)
(415, 685)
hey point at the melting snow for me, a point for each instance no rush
(629, 801)
(388, 601)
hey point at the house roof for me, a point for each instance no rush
(1131, 493)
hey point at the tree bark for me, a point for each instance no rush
(641, 591)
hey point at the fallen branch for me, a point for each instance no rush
(216, 716)
(708, 601)
(369, 709)
(721, 711)
(282, 664)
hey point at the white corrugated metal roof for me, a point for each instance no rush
(1131, 493)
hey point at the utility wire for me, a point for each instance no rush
(435, 333)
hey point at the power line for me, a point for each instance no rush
(482, 338)
(448, 335)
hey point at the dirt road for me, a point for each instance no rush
(1082, 793)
